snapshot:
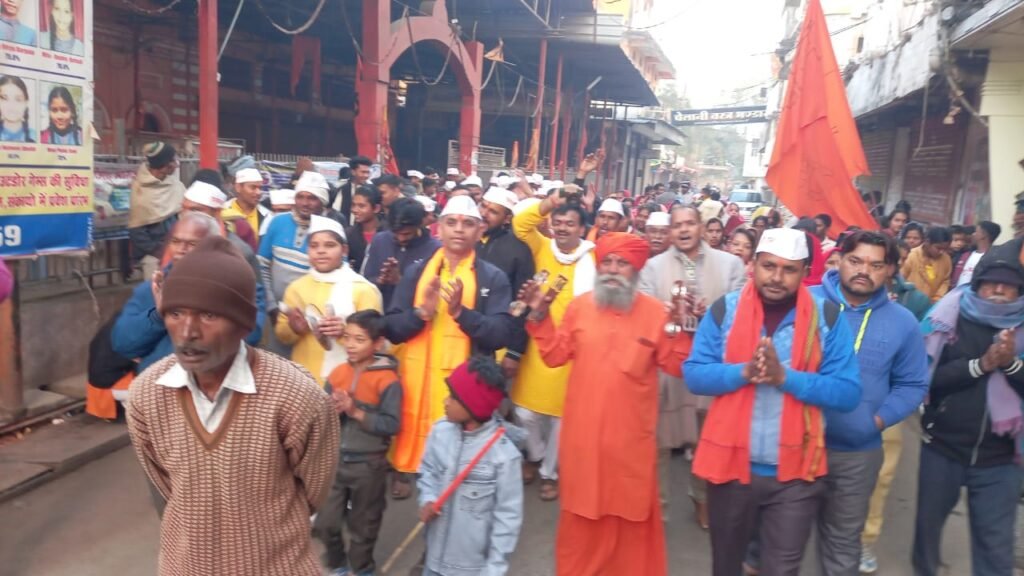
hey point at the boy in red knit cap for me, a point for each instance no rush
(477, 528)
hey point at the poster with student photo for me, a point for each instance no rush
(62, 26)
(20, 23)
(17, 97)
(60, 114)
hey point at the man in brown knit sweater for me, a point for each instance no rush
(241, 443)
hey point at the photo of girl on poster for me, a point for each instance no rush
(61, 31)
(14, 106)
(61, 115)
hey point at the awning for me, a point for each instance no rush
(998, 24)
(658, 132)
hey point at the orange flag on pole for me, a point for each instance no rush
(817, 148)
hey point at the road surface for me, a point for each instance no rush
(99, 520)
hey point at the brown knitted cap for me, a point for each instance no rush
(214, 277)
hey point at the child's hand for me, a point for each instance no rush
(297, 322)
(427, 513)
(342, 401)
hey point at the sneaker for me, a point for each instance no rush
(340, 572)
(868, 561)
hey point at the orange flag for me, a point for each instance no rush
(388, 163)
(817, 149)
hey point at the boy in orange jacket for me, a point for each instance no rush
(368, 396)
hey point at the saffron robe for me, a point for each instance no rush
(608, 452)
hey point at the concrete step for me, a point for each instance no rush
(55, 449)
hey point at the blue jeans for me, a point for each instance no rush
(992, 511)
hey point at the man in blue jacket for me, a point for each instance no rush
(894, 381)
(139, 331)
(392, 252)
(775, 357)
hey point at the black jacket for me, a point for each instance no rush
(346, 198)
(513, 257)
(489, 325)
(357, 245)
(956, 420)
(106, 367)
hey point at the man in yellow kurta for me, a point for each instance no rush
(246, 203)
(445, 308)
(539, 390)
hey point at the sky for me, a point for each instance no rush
(717, 46)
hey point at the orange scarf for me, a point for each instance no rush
(427, 359)
(723, 454)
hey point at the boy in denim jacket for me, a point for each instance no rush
(478, 526)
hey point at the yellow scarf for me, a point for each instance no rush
(428, 358)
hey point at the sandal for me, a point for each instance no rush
(548, 490)
(401, 487)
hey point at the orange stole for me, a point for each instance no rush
(427, 359)
(723, 453)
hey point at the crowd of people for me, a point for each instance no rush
(319, 351)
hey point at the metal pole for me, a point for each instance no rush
(208, 93)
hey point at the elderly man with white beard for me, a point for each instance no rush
(610, 521)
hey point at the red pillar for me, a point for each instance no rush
(554, 120)
(208, 93)
(535, 146)
(563, 161)
(372, 77)
(469, 116)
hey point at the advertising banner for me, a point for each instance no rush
(715, 116)
(46, 163)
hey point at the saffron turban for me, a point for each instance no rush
(631, 247)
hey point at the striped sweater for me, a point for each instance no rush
(282, 256)
(238, 499)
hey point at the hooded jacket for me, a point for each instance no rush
(377, 391)
(893, 368)
(383, 246)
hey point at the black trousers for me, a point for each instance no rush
(357, 501)
(787, 511)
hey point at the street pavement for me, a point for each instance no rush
(99, 520)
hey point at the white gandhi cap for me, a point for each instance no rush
(658, 219)
(501, 197)
(206, 195)
(246, 175)
(321, 224)
(612, 205)
(785, 243)
(461, 206)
